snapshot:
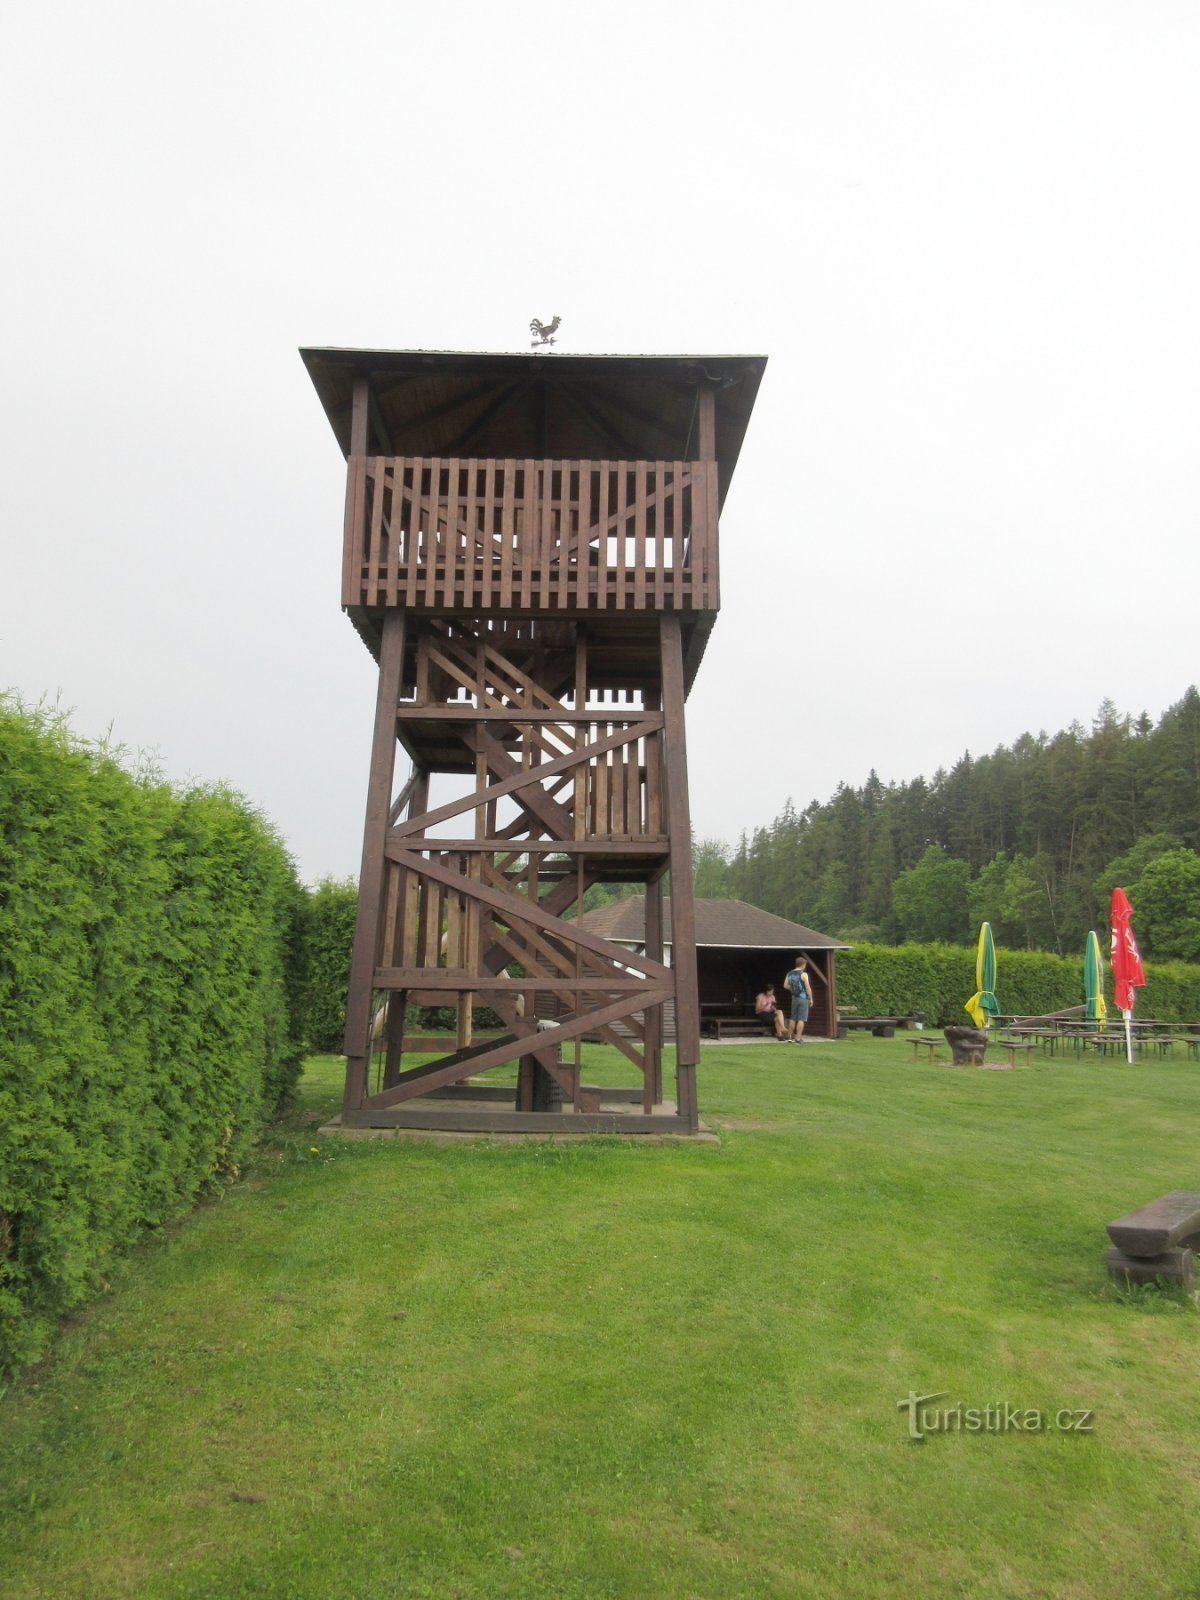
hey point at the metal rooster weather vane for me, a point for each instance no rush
(543, 332)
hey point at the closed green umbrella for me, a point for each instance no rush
(983, 1005)
(1094, 1007)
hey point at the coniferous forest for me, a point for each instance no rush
(1031, 838)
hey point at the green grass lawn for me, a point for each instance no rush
(611, 1369)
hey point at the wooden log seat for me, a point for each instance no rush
(967, 1045)
(881, 1027)
(1156, 1243)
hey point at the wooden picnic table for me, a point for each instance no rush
(1165, 1043)
(1047, 1038)
(1083, 1036)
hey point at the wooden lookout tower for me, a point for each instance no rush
(530, 554)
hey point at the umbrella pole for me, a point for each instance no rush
(1128, 1015)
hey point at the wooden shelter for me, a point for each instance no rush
(530, 553)
(739, 949)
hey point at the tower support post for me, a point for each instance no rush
(368, 921)
(683, 905)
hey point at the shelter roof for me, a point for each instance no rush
(561, 407)
(729, 924)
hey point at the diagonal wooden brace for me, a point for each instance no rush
(549, 769)
(449, 1069)
(510, 906)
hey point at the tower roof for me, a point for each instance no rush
(550, 406)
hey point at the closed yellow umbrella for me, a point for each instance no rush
(1094, 1007)
(983, 1005)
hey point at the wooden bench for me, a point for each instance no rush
(740, 1027)
(1015, 1047)
(881, 1027)
(928, 1045)
(1156, 1243)
(1165, 1044)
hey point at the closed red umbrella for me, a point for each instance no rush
(1126, 963)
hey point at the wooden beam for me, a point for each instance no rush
(449, 1069)
(380, 427)
(555, 819)
(411, 713)
(370, 881)
(360, 417)
(446, 408)
(707, 419)
(403, 799)
(548, 769)
(652, 1082)
(394, 1034)
(625, 449)
(454, 1119)
(641, 846)
(683, 908)
(464, 443)
(454, 979)
(511, 908)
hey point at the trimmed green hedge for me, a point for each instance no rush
(332, 908)
(150, 953)
(889, 980)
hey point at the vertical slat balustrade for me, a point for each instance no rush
(487, 542)
(617, 787)
(507, 532)
(566, 534)
(375, 469)
(712, 571)
(661, 524)
(655, 815)
(352, 539)
(581, 563)
(600, 824)
(394, 474)
(601, 592)
(451, 544)
(622, 525)
(471, 541)
(412, 558)
(544, 471)
(430, 524)
(527, 521)
(678, 573)
(637, 821)
(531, 535)
(640, 494)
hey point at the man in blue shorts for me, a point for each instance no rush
(797, 985)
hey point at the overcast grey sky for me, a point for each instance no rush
(965, 233)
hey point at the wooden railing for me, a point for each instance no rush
(509, 535)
